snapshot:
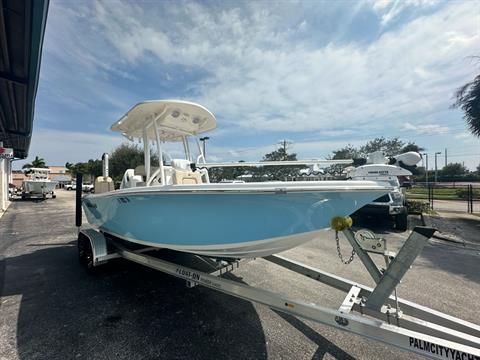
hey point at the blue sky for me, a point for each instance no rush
(319, 73)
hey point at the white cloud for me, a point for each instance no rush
(57, 147)
(390, 9)
(432, 129)
(261, 72)
(260, 79)
(463, 136)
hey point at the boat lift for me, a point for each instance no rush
(373, 313)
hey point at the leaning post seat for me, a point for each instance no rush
(183, 174)
(130, 179)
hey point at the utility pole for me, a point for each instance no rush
(203, 140)
(437, 153)
(446, 162)
(426, 168)
(285, 144)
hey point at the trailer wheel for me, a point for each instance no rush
(85, 253)
(401, 222)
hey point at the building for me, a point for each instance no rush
(61, 175)
(17, 178)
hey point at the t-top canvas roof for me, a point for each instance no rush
(175, 118)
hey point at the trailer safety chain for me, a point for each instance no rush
(339, 252)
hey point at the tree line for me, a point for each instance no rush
(125, 156)
(129, 156)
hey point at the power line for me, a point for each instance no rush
(463, 155)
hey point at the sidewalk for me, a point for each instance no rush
(460, 206)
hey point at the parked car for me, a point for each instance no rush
(12, 190)
(391, 205)
(71, 186)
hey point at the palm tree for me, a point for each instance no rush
(36, 163)
(468, 99)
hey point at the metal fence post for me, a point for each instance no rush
(473, 195)
(470, 198)
(78, 201)
(430, 195)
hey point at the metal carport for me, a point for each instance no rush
(22, 27)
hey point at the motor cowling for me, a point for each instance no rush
(410, 158)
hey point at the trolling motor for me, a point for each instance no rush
(378, 167)
(408, 160)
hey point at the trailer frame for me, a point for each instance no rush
(375, 313)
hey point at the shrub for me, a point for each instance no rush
(417, 206)
(463, 193)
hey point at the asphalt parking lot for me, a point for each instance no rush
(51, 309)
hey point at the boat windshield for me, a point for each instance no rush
(187, 149)
(394, 182)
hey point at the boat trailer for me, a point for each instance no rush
(373, 313)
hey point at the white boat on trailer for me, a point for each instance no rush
(227, 220)
(38, 184)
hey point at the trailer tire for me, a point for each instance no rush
(401, 222)
(85, 253)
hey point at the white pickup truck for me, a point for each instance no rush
(379, 168)
(87, 187)
(71, 186)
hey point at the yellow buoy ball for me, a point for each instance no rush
(340, 223)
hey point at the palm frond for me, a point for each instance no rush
(468, 99)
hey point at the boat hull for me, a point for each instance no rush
(228, 224)
(39, 187)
